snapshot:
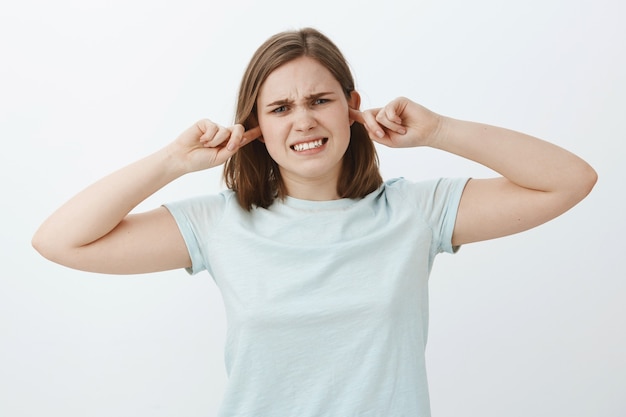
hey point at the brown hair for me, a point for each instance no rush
(251, 172)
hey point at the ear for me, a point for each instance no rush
(354, 102)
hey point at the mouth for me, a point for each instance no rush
(305, 146)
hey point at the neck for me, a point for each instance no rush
(314, 189)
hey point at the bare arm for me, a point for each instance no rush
(94, 231)
(539, 180)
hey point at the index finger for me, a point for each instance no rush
(368, 119)
(240, 138)
(356, 115)
(252, 134)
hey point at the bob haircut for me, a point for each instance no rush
(251, 172)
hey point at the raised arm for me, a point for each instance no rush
(94, 231)
(539, 180)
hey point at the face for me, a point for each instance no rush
(303, 114)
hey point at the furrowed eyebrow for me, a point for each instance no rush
(278, 103)
(282, 102)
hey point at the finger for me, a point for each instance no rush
(356, 116)
(222, 154)
(223, 134)
(241, 138)
(390, 119)
(392, 111)
(252, 134)
(208, 129)
(236, 139)
(374, 129)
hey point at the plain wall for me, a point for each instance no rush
(528, 325)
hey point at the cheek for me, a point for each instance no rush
(344, 126)
(271, 137)
(273, 131)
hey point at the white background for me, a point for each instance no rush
(528, 325)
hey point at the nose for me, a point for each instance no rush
(304, 119)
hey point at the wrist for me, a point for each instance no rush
(172, 161)
(439, 131)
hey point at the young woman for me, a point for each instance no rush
(323, 266)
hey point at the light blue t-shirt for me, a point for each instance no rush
(326, 301)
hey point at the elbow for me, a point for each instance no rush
(41, 245)
(47, 246)
(583, 182)
(589, 178)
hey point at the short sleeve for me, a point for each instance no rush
(446, 199)
(197, 218)
(436, 203)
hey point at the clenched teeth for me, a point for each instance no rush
(299, 147)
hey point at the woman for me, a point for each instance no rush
(323, 266)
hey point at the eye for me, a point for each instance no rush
(280, 109)
(321, 101)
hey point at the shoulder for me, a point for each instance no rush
(436, 188)
(207, 206)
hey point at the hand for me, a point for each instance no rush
(400, 124)
(206, 144)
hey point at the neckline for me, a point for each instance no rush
(318, 205)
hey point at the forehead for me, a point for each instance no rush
(298, 78)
